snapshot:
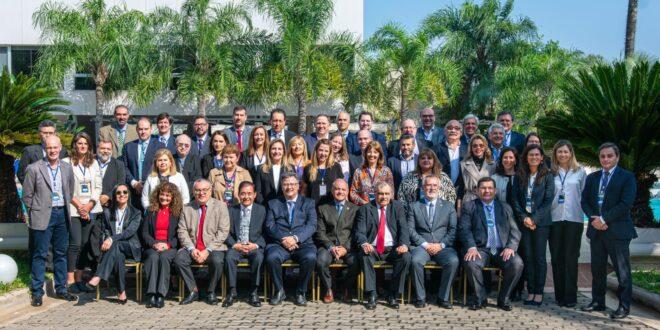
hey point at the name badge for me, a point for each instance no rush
(229, 195)
(372, 197)
(322, 190)
(561, 199)
(55, 197)
(84, 188)
(528, 204)
(601, 197)
(490, 223)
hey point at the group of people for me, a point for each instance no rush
(448, 195)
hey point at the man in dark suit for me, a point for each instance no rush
(245, 241)
(496, 140)
(470, 127)
(607, 198)
(321, 131)
(290, 224)
(409, 127)
(429, 131)
(239, 133)
(343, 123)
(366, 123)
(186, 162)
(113, 171)
(334, 239)
(381, 232)
(511, 139)
(165, 137)
(277, 127)
(138, 156)
(201, 139)
(451, 152)
(37, 152)
(355, 160)
(403, 160)
(489, 236)
(432, 225)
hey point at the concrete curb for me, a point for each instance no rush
(15, 305)
(639, 294)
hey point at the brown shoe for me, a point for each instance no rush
(346, 297)
(328, 298)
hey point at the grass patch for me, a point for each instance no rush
(647, 279)
(23, 278)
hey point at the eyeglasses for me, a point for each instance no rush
(121, 192)
(200, 191)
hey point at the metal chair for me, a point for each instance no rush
(377, 265)
(268, 286)
(429, 265)
(138, 280)
(500, 277)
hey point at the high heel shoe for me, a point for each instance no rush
(537, 303)
(122, 302)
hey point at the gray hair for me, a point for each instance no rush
(471, 116)
(609, 145)
(382, 184)
(183, 137)
(495, 126)
(457, 122)
(201, 180)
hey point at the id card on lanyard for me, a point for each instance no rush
(528, 198)
(85, 189)
(372, 196)
(53, 182)
(562, 197)
(322, 187)
(229, 184)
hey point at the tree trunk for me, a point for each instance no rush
(302, 111)
(9, 202)
(641, 211)
(463, 105)
(99, 110)
(403, 107)
(631, 27)
(202, 103)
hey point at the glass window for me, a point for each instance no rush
(3, 58)
(23, 60)
(84, 81)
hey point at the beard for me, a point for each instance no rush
(104, 158)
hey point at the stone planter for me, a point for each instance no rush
(13, 236)
(646, 247)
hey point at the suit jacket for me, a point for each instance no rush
(207, 164)
(471, 175)
(333, 229)
(542, 196)
(310, 141)
(354, 162)
(115, 173)
(247, 162)
(37, 192)
(393, 148)
(288, 135)
(130, 228)
(437, 137)
(149, 231)
(442, 151)
(129, 157)
(619, 196)
(109, 132)
(219, 185)
(303, 225)
(443, 228)
(170, 145)
(257, 217)
(368, 218)
(200, 153)
(394, 163)
(350, 140)
(473, 229)
(264, 185)
(233, 137)
(355, 147)
(517, 141)
(191, 170)
(216, 225)
(30, 155)
(313, 187)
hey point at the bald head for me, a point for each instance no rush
(183, 143)
(340, 190)
(53, 148)
(364, 137)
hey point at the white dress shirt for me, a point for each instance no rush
(389, 241)
(276, 176)
(570, 209)
(152, 181)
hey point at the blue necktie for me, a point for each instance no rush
(492, 239)
(339, 208)
(431, 213)
(291, 205)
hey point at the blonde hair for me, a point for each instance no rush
(289, 153)
(269, 161)
(160, 153)
(343, 152)
(314, 167)
(488, 155)
(574, 166)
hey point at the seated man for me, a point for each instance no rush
(245, 241)
(290, 224)
(432, 224)
(382, 233)
(489, 236)
(203, 229)
(333, 237)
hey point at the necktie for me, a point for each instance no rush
(120, 137)
(604, 181)
(431, 213)
(200, 144)
(141, 159)
(200, 230)
(380, 240)
(239, 141)
(291, 204)
(492, 239)
(163, 140)
(339, 208)
(507, 139)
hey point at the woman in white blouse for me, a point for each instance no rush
(267, 177)
(567, 222)
(83, 209)
(341, 155)
(164, 170)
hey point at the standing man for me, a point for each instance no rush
(113, 171)
(381, 232)
(201, 139)
(489, 236)
(496, 140)
(119, 132)
(365, 120)
(404, 160)
(186, 162)
(239, 133)
(451, 152)
(290, 224)
(165, 136)
(363, 137)
(138, 156)
(409, 127)
(607, 198)
(36, 152)
(334, 239)
(203, 229)
(429, 131)
(511, 139)
(47, 190)
(432, 225)
(245, 241)
(470, 128)
(343, 122)
(277, 127)
(322, 131)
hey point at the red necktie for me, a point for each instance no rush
(380, 240)
(240, 142)
(200, 230)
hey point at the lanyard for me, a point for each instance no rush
(260, 160)
(228, 182)
(120, 219)
(371, 177)
(563, 180)
(83, 170)
(54, 173)
(103, 166)
(322, 174)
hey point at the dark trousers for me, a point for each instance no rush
(157, 267)
(255, 258)
(79, 255)
(305, 256)
(323, 260)
(511, 269)
(565, 239)
(114, 259)
(536, 264)
(618, 250)
(401, 263)
(56, 234)
(446, 258)
(215, 261)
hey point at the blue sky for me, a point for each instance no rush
(592, 26)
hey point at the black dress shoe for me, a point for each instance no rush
(393, 302)
(445, 304)
(371, 302)
(254, 300)
(66, 296)
(160, 301)
(212, 299)
(474, 306)
(619, 313)
(152, 301)
(300, 300)
(569, 305)
(229, 300)
(89, 287)
(420, 303)
(505, 307)
(192, 297)
(593, 307)
(37, 301)
(122, 301)
(277, 298)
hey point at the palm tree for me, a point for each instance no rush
(90, 38)
(24, 103)
(631, 27)
(618, 103)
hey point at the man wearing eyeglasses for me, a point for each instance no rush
(429, 131)
(201, 140)
(187, 162)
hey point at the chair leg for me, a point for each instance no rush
(223, 286)
(98, 291)
(500, 276)
(181, 289)
(464, 288)
(266, 285)
(409, 289)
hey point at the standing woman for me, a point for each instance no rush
(160, 241)
(532, 201)
(505, 172)
(296, 155)
(164, 170)
(340, 152)
(83, 209)
(225, 181)
(214, 158)
(120, 224)
(567, 222)
(321, 173)
(267, 178)
(478, 163)
(257, 150)
(410, 189)
(535, 138)
(373, 171)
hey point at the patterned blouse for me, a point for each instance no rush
(363, 188)
(410, 192)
